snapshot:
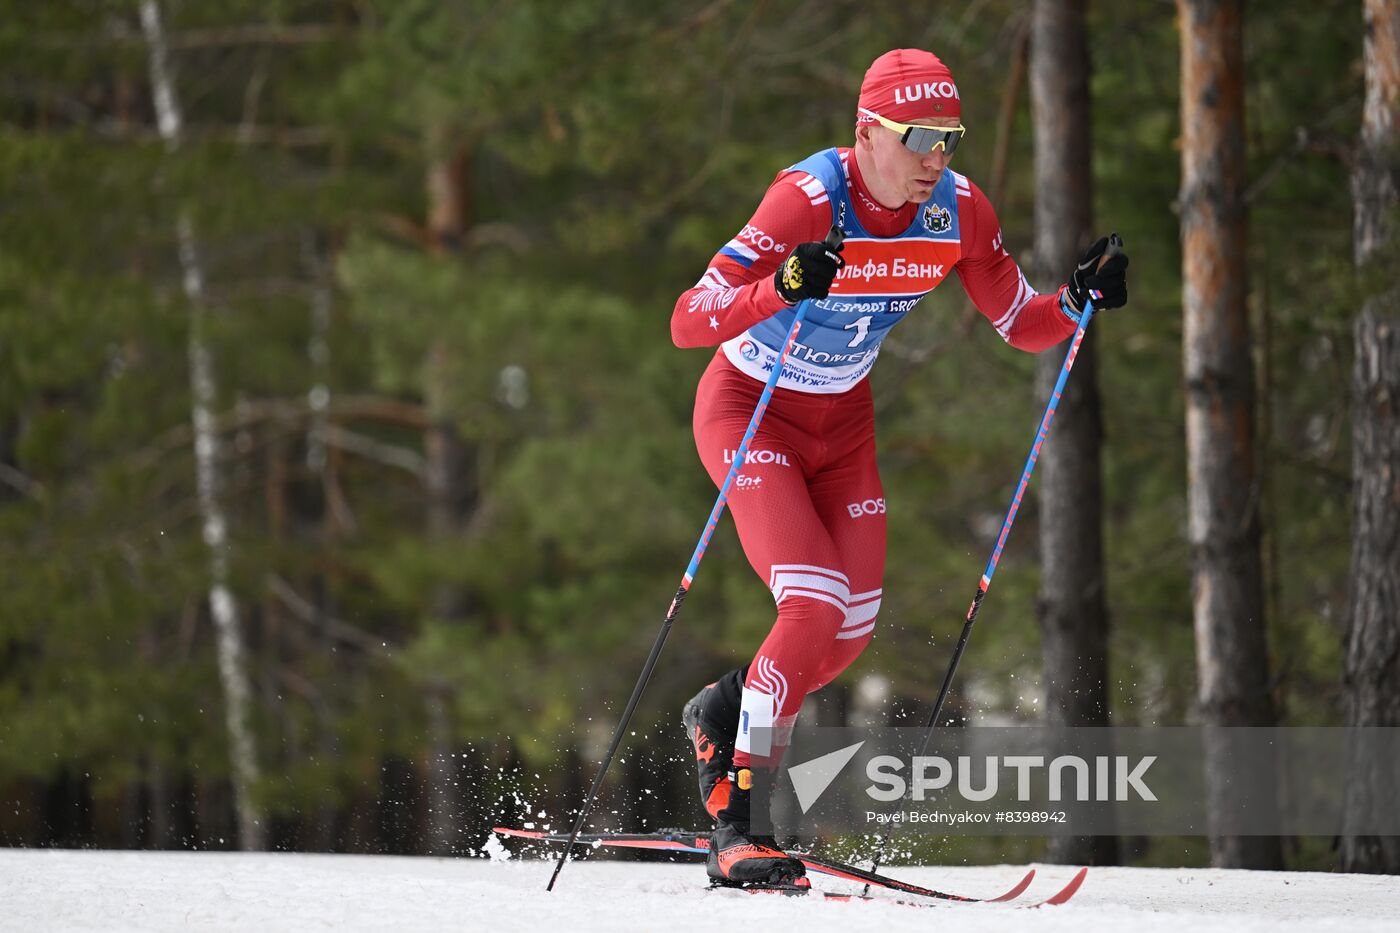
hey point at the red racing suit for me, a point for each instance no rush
(808, 502)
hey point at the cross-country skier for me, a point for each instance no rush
(808, 504)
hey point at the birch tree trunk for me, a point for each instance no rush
(1372, 678)
(233, 676)
(1223, 488)
(1073, 618)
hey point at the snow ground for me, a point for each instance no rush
(43, 890)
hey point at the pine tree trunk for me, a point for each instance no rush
(233, 676)
(318, 352)
(1223, 488)
(450, 485)
(449, 490)
(161, 831)
(1372, 677)
(1073, 618)
(320, 832)
(445, 832)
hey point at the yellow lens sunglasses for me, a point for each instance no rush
(922, 139)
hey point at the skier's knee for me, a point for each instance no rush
(810, 590)
(861, 609)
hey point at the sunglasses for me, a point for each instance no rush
(922, 139)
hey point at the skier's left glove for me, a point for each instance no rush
(1101, 275)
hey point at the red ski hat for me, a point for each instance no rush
(906, 85)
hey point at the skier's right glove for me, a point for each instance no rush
(1101, 274)
(809, 271)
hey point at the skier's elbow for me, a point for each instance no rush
(679, 337)
(684, 334)
(1031, 344)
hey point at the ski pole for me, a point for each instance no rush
(1115, 246)
(833, 240)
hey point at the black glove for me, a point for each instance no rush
(809, 271)
(1101, 275)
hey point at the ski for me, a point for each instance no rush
(1065, 893)
(677, 840)
(833, 896)
(854, 873)
(1059, 897)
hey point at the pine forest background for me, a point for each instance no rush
(439, 243)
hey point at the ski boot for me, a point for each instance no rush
(711, 720)
(737, 858)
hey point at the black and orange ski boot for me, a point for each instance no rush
(737, 858)
(711, 720)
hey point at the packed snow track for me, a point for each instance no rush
(158, 891)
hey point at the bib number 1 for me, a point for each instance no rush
(861, 327)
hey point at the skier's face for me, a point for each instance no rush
(905, 174)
